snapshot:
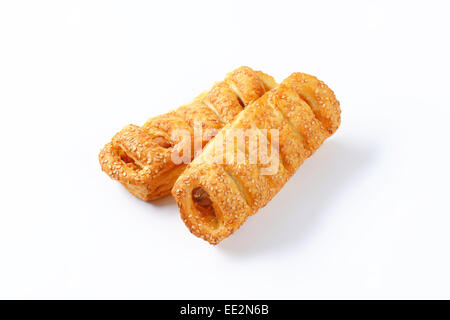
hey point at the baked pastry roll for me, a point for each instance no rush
(141, 157)
(218, 190)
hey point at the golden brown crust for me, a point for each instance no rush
(140, 157)
(254, 186)
(229, 215)
(303, 110)
(222, 99)
(268, 82)
(246, 84)
(320, 98)
(252, 120)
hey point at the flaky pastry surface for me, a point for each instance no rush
(215, 198)
(139, 157)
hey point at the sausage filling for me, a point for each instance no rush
(241, 102)
(128, 160)
(204, 205)
(162, 142)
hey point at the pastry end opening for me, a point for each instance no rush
(204, 206)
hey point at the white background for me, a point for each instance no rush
(368, 216)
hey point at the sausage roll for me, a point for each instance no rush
(141, 157)
(222, 186)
